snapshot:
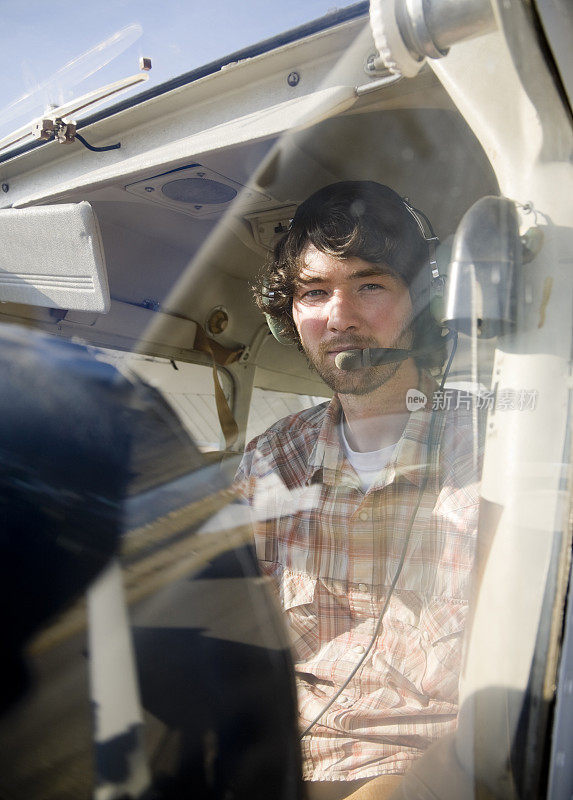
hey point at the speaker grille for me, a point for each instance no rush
(198, 191)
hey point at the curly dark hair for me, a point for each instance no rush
(354, 219)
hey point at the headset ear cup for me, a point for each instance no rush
(278, 330)
(437, 308)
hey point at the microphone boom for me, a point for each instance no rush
(350, 360)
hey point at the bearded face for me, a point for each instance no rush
(348, 304)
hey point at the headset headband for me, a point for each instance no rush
(430, 238)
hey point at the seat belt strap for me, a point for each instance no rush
(222, 356)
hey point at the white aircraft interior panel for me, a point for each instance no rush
(52, 256)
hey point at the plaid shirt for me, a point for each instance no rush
(332, 552)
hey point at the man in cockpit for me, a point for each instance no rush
(366, 510)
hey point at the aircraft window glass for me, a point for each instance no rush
(416, 543)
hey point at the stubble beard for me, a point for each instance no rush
(360, 381)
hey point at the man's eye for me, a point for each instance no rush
(370, 287)
(313, 294)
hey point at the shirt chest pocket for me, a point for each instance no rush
(297, 594)
(286, 531)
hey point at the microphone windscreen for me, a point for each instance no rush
(349, 360)
(371, 357)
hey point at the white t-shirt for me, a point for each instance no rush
(366, 465)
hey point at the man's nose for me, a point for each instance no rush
(342, 313)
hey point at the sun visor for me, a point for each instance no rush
(52, 256)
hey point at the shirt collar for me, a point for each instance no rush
(327, 454)
(410, 456)
(412, 453)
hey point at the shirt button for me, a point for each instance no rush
(363, 516)
(344, 699)
(426, 636)
(362, 587)
(359, 649)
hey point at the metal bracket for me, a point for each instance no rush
(46, 129)
(245, 355)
